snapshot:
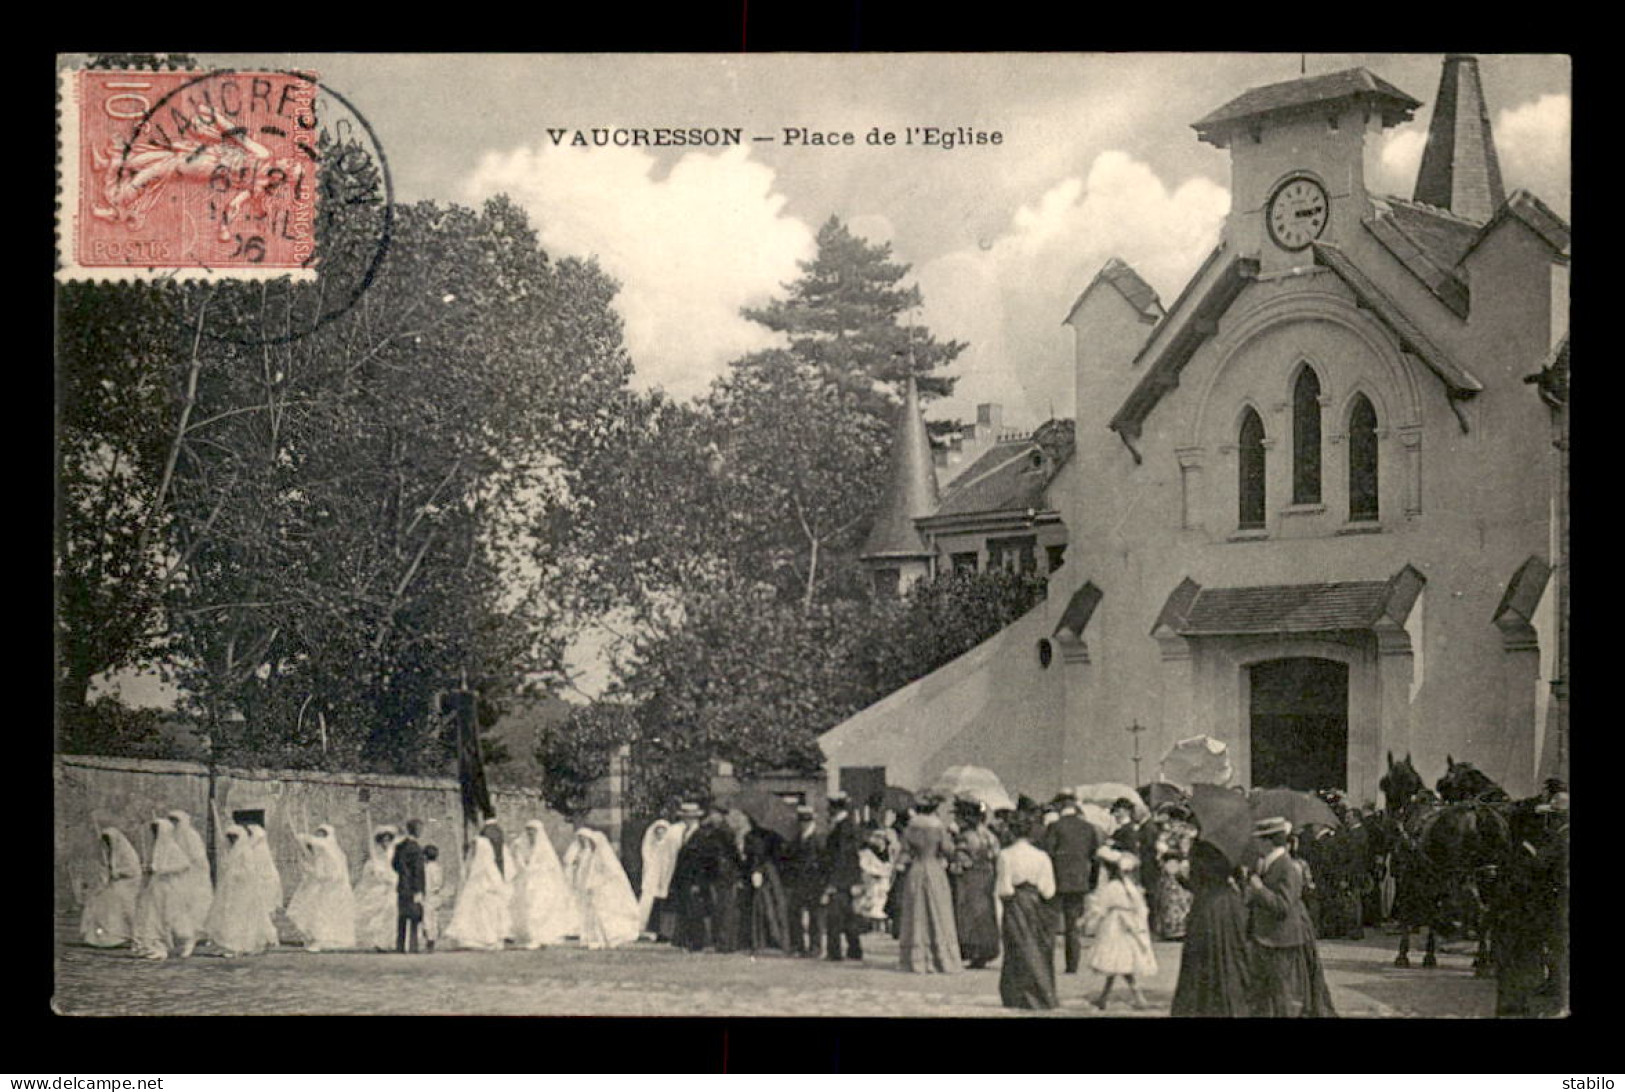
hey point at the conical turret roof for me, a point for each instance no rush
(912, 491)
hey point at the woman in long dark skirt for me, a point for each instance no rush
(976, 857)
(1215, 969)
(1025, 880)
(769, 917)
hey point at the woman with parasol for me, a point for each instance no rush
(1215, 967)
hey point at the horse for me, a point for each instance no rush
(1446, 850)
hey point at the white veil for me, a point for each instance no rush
(609, 909)
(661, 844)
(264, 865)
(123, 862)
(331, 863)
(168, 857)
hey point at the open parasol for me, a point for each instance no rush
(1159, 793)
(1302, 809)
(1224, 820)
(1199, 760)
(767, 811)
(973, 783)
(1099, 818)
(1107, 793)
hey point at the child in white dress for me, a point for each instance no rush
(1122, 926)
(434, 883)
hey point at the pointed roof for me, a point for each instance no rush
(1129, 284)
(1460, 169)
(912, 490)
(1304, 94)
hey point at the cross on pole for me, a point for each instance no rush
(1135, 729)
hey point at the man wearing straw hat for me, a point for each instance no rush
(1287, 978)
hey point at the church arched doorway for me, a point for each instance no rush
(1299, 723)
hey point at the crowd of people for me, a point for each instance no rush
(959, 887)
(956, 886)
(520, 893)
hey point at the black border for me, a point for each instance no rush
(41, 1043)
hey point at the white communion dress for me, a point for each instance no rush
(323, 908)
(375, 894)
(108, 919)
(481, 917)
(609, 909)
(544, 908)
(238, 923)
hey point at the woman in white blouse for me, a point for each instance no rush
(1026, 878)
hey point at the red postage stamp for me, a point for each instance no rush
(197, 175)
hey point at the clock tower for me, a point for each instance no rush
(1299, 158)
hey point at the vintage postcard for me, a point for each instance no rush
(813, 535)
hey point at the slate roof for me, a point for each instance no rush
(1460, 169)
(1458, 379)
(1166, 355)
(1430, 243)
(911, 490)
(1005, 478)
(1130, 285)
(1303, 93)
(1195, 611)
(1522, 596)
(1535, 215)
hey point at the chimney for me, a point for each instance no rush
(1460, 170)
(990, 415)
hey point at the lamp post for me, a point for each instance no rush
(1134, 730)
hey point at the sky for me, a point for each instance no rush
(1096, 159)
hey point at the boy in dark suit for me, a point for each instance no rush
(841, 857)
(1071, 841)
(410, 885)
(804, 878)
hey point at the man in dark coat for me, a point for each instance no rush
(805, 881)
(409, 886)
(1071, 842)
(841, 864)
(723, 871)
(688, 891)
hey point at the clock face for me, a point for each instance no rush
(1297, 213)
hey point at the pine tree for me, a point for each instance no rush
(843, 317)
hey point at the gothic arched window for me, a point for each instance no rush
(1306, 438)
(1251, 451)
(1362, 460)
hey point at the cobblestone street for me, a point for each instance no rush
(656, 980)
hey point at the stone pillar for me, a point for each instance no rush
(1520, 674)
(1396, 664)
(1178, 687)
(1190, 485)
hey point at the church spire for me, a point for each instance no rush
(1460, 170)
(912, 491)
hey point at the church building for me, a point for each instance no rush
(1316, 505)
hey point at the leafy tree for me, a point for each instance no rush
(842, 317)
(935, 622)
(335, 527)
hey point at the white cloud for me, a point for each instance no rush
(1008, 295)
(689, 250)
(1398, 160)
(1533, 142)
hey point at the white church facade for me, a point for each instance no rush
(1317, 506)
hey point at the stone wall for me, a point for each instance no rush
(94, 792)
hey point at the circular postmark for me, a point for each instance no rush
(302, 185)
